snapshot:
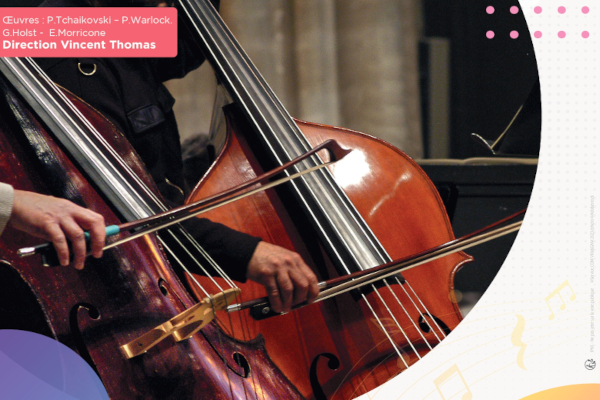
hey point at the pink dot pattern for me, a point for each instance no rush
(561, 34)
(536, 34)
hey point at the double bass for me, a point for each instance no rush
(375, 206)
(56, 144)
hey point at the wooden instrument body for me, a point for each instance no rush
(121, 296)
(404, 211)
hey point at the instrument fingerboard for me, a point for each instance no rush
(345, 235)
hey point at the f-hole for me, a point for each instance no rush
(243, 364)
(333, 363)
(425, 326)
(94, 314)
(162, 286)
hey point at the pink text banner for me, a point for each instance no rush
(88, 32)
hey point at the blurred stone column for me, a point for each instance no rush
(378, 71)
(265, 30)
(350, 63)
(293, 45)
(316, 61)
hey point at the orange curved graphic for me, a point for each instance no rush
(579, 392)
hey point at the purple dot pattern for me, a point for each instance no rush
(538, 10)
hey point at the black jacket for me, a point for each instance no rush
(130, 93)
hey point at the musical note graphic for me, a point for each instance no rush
(516, 340)
(557, 292)
(446, 376)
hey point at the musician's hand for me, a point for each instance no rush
(284, 274)
(57, 220)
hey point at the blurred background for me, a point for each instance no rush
(421, 74)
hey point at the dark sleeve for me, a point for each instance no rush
(231, 250)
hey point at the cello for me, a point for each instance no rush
(53, 144)
(375, 206)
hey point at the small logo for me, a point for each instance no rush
(590, 364)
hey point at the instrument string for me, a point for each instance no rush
(148, 192)
(228, 41)
(211, 261)
(396, 321)
(316, 159)
(248, 93)
(244, 66)
(81, 119)
(414, 324)
(387, 334)
(426, 311)
(181, 263)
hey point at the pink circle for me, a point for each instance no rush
(562, 10)
(537, 10)
(514, 34)
(490, 10)
(585, 10)
(514, 9)
(585, 34)
(537, 34)
(490, 34)
(562, 34)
